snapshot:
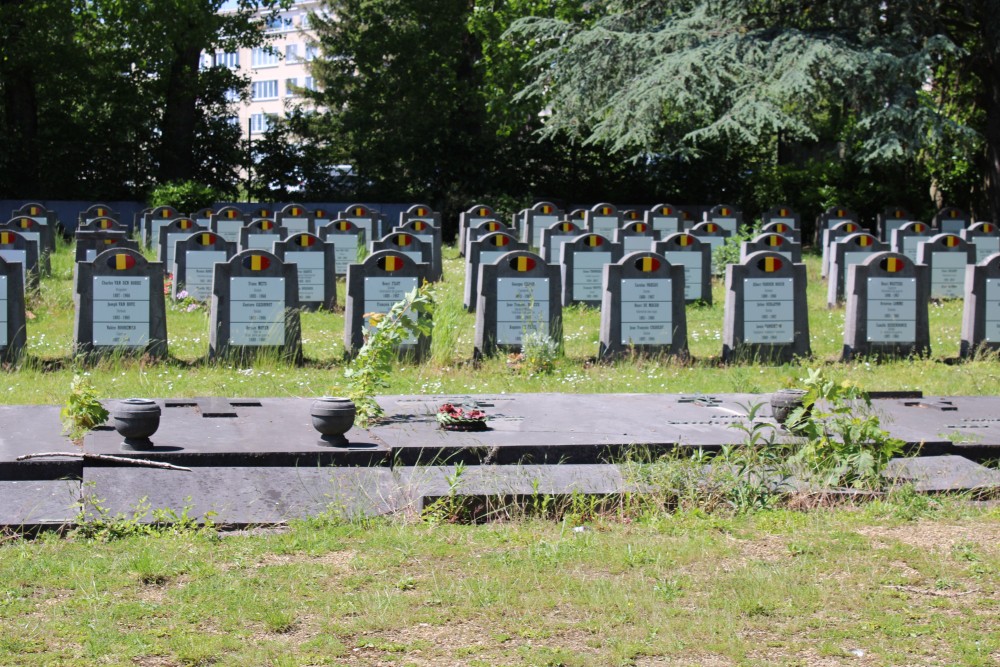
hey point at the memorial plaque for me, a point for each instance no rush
(44, 218)
(603, 219)
(431, 237)
(89, 244)
(519, 293)
(420, 212)
(470, 219)
(261, 234)
(664, 219)
(583, 259)
(985, 236)
(981, 314)
(695, 258)
(541, 215)
(374, 286)
(314, 260)
(553, 238)
(348, 240)
(485, 250)
(296, 220)
(365, 218)
(946, 256)
(891, 219)
(851, 249)
(951, 220)
(642, 307)
(766, 315)
(153, 220)
(14, 247)
(34, 233)
(227, 222)
(908, 236)
(406, 244)
(712, 235)
(636, 237)
(886, 314)
(170, 233)
(782, 214)
(832, 234)
(195, 257)
(255, 308)
(783, 228)
(772, 243)
(727, 217)
(13, 335)
(120, 305)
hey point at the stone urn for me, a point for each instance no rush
(333, 416)
(136, 419)
(784, 401)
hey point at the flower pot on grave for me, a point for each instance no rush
(136, 419)
(333, 416)
(784, 402)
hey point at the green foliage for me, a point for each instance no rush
(185, 196)
(94, 521)
(729, 251)
(538, 352)
(368, 372)
(82, 410)
(843, 440)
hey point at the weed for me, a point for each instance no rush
(94, 521)
(538, 352)
(82, 411)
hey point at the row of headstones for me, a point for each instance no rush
(254, 306)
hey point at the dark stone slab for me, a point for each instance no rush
(783, 228)
(431, 237)
(227, 223)
(348, 240)
(688, 251)
(13, 332)
(711, 234)
(603, 219)
(942, 473)
(946, 256)
(772, 242)
(541, 215)
(890, 219)
(315, 261)
(951, 220)
(582, 263)
(89, 244)
(365, 218)
(152, 220)
(18, 250)
(636, 237)
(95, 212)
(41, 234)
(726, 216)
(981, 312)
(485, 250)
(296, 219)
(103, 223)
(782, 214)
(554, 236)
(664, 219)
(906, 238)
(261, 234)
(985, 236)
(475, 216)
(843, 252)
(30, 503)
(194, 263)
(829, 236)
(169, 235)
(420, 212)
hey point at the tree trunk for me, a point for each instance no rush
(180, 117)
(19, 132)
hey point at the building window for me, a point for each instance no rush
(261, 122)
(265, 90)
(310, 83)
(291, 53)
(312, 50)
(278, 23)
(232, 95)
(230, 60)
(263, 57)
(291, 87)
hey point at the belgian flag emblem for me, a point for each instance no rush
(266, 225)
(184, 223)
(594, 241)
(25, 223)
(950, 241)
(101, 212)
(320, 213)
(34, 210)
(522, 264)
(121, 262)
(110, 241)
(633, 215)
(6, 238)
(770, 264)
(920, 227)
(546, 209)
(605, 210)
(841, 213)
(897, 214)
(306, 240)
(953, 213)
(850, 227)
(421, 210)
(492, 226)
(358, 211)
(685, 240)
(344, 225)
(403, 240)
(166, 213)
(864, 241)
(988, 228)
(231, 214)
(104, 223)
(892, 264)
(390, 263)
(666, 210)
(724, 211)
(647, 264)
(567, 227)
(500, 240)
(264, 213)
(256, 262)
(206, 239)
(581, 214)
(419, 225)
(782, 212)
(774, 240)
(640, 227)
(685, 215)
(296, 210)
(483, 212)
(711, 228)
(781, 228)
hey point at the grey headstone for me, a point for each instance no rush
(169, 234)
(726, 216)
(262, 212)
(102, 224)
(834, 233)
(255, 308)
(33, 233)
(766, 316)
(712, 234)
(44, 217)
(981, 315)
(261, 234)
(473, 217)
(365, 218)
(631, 215)
(296, 219)
(636, 237)
(14, 247)
(554, 236)
(642, 308)
(431, 237)
(13, 334)
(203, 217)
(227, 222)
(518, 293)
(772, 242)
(834, 216)
(348, 240)
(603, 219)
(89, 244)
(784, 214)
(851, 249)
(783, 228)
(946, 256)
(687, 251)
(951, 220)
(314, 260)
(406, 244)
(664, 219)
(485, 250)
(985, 236)
(94, 212)
(421, 212)
(486, 227)
(120, 305)
(891, 219)
(583, 260)
(540, 216)
(374, 286)
(887, 297)
(323, 215)
(195, 257)
(153, 220)
(906, 238)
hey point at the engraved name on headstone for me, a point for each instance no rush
(170, 233)
(314, 260)
(636, 237)
(603, 219)
(664, 219)
(296, 219)
(261, 234)
(485, 250)
(684, 250)
(946, 256)
(908, 236)
(195, 257)
(553, 238)
(374, 286)
(583, 260)
(348, 240)
(540, 216)
(227, 223)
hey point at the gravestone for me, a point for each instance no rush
(519, 293)
(322, 215)
(603, 219)
(13, 333)
(94, 212)
(365, 218)
(101, 224)
(227, 222)
(712, 234)
(583, 259)
(475, 216)
(851, 249)
(985, 236)
(484, 228)
(152, 221)
(314, 260)
(838, 231)
(906, 238)
(636, 237)
(766, 315)
(783, 214)
(14, 247)
(420, 212)
(255, 308)
(90, 244)
(981, 313)
(405, 244)
(44, 217)
(261, 235)
(485, 250)
(262, 212)
(832, 217)
(170, 234)
(685, 250)
(120, 305)
(40, 235)
(296, 220)
(891, 219)
(642, 307)
(951, 220)
(946, 256)
(431, 237)
(886, 314)
(783, 228)
(578, 217)
(631, 215)
(540, 216)
(374, 286)
(664, 219)
(195, 257)
(203, 217)
(348, 240)
(726, 216)
(138, 220)
(772, 243)
(687, 219)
